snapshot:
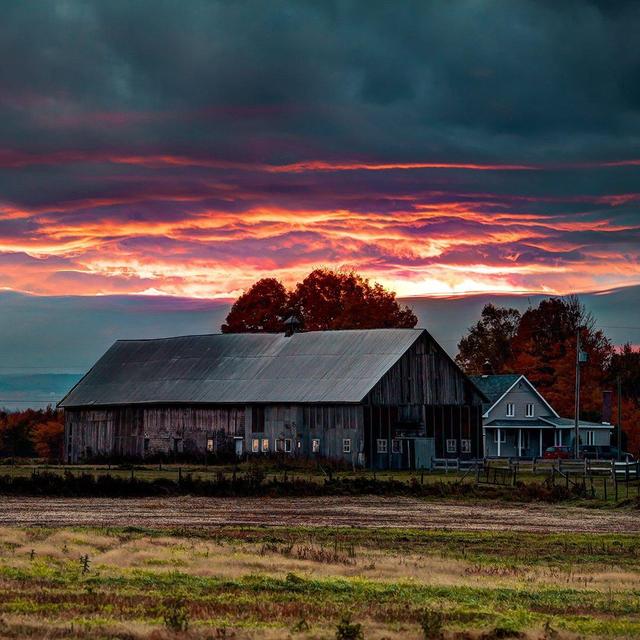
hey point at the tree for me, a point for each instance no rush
(331, 300)
(263, 308)
(48, 439)
(489, 341)
(15, 434)
(626, 364)
(323, 300)
(544, 349)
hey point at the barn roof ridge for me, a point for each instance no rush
(315, 366)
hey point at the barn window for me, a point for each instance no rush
(257, 419)
(315, 445)
(452, 445)
(287, 445)
(346, 445)
(381, 445)
(465, 446)
(265, 445)
(209, 444)
(396, 446)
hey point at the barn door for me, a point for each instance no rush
(424, 450)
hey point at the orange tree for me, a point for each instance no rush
(324, 300)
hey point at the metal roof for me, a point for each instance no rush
(318, 366)
(570, 422)
(529, 423)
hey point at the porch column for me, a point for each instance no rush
(540, 431)
(499, 432)
(519, 443)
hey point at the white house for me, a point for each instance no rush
(519, 423)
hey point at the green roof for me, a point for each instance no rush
(495, 386)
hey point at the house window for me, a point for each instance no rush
(265, 445)
(255, 445)
(511, 410)
(396, 446)
(382, 445)
(591, 437)
(146, 444)
(287, 445)
(346, 445)
(465, 446)
(315, 445)
(503, 435)
(279, 443)
(452, 446)
(530, 410)
(209, 444)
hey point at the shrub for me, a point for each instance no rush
(348, 630)
(175, 615)
(431, 622)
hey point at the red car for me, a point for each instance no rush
(553, 453)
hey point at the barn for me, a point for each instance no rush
(378, 398)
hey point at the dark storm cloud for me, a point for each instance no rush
(279, 80)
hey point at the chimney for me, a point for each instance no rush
(487, 369)
(291, 325)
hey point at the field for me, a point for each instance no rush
(362, 511)
(405, 566)
(154, 568)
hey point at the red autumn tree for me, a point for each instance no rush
(323, 300)
(262, 308)
(48, 439)
(331, 300)
(544, 349)
(18, 430)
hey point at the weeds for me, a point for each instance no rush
(431, 623)
(347, 630)
(175, 615)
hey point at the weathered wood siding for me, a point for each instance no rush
(423, 375)
(140, 431)
(293, 428)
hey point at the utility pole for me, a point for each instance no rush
(619, 421)
(581, 357)
(577, 400)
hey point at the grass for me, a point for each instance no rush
(265, 583)
(271, 477)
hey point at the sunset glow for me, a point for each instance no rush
(226, 145)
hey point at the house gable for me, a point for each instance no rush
(520, 393)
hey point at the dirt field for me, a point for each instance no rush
(336, 511)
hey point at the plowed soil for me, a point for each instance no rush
(314, 512)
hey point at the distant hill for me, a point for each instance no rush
(41, 335)
(21, 391)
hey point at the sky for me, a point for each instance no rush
(189, 148)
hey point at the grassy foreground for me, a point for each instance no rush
(267, 583)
